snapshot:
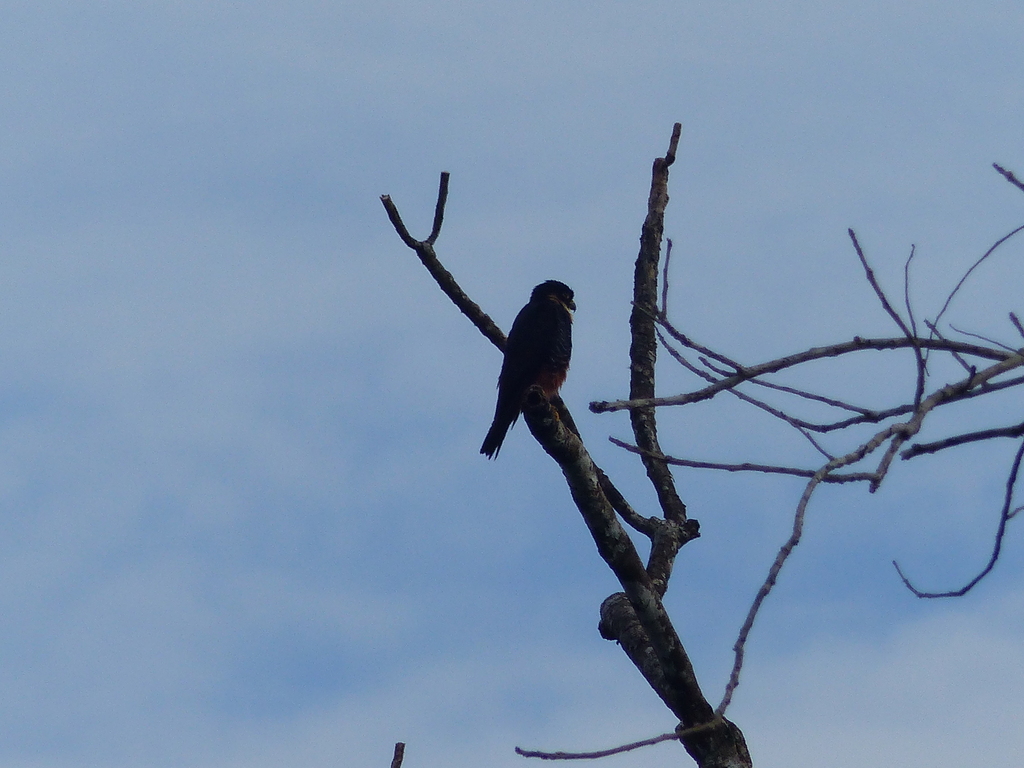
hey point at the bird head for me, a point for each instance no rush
(555, 291)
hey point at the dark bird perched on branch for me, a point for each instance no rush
(538, 350)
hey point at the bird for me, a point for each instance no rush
(537, 352)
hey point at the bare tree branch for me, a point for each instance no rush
(444, 279)
(1016, 324)
(918, 357)
(956, 355)
(782, 363)
(675, 680)
(442, 200)
(743, 396)
(664, 277)
(919, 449)
(937, 398)
(830, 401)
(986, 339)
(748, 467)
(906, 290)
(689, 343)
(786, 550)
(643, 351)
(1004, 516)
(648, 526)
(677, 734)
(601, 752)
(1008, 175)
(396, 761)
(873, 281)
(973, 267)
(866, 416)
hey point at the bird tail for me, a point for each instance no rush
(495, 437)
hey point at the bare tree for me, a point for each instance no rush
(636, 617)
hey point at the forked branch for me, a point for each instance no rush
(665, 662)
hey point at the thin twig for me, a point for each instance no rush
(956, 356)
(973, 267)
(746, 466)
(678, 734)
(785, 551)
(872, 417)
(919, 449)
(830, 401)
(906, 289)
(918, 356)
(793, 422)
(679, 358)
(686, 341)
(873, 281)
(599, 753)
(993, 342)
(1008, 175)
(1017, 324)
(1004, 516)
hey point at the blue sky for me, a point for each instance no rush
(243, 520)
